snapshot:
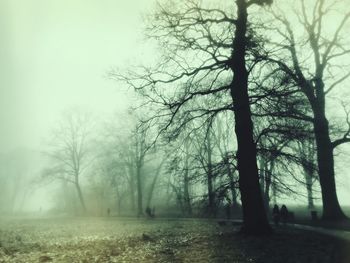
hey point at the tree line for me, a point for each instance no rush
(233, 111)
(277, 67)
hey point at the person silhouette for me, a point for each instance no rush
(148, 211)
(284, 214)
(276, 214)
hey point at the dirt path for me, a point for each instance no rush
(342, 234)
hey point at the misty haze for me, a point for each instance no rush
(175, 131)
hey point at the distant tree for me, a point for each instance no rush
(116, 162)
(227, 165)
(107, 185)
(307, 151)
(139, 147)
(187, 178)
(282, 161)
(70, 151)
(17, 169)
(182, 169)
(156, 171)
(204, 145)
(134, 158)
(268, 157)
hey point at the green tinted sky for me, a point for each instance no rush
(55, 54)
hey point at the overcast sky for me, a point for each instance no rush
(55, 55)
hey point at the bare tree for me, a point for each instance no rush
(315, 71)
(307, 151)
(205, 59)
(182, 169)
(140, 148)
(157, 169)
(223, 140)
(204, 145)
(70, 151)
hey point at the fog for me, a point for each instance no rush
(56, 57)
(174, 131)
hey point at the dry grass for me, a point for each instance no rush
(159, 240)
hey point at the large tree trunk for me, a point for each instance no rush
(254, 215)
(325, 160)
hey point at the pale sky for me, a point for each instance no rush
(55, 54)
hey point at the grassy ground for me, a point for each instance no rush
(159, 240)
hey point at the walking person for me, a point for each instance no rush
(276, 215)
(284, 214)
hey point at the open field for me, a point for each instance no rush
(159, 240)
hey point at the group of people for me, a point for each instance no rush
(280, 214)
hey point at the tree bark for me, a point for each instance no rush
(314, 90)
(325, 156)
(325, 160)
(254, 215)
